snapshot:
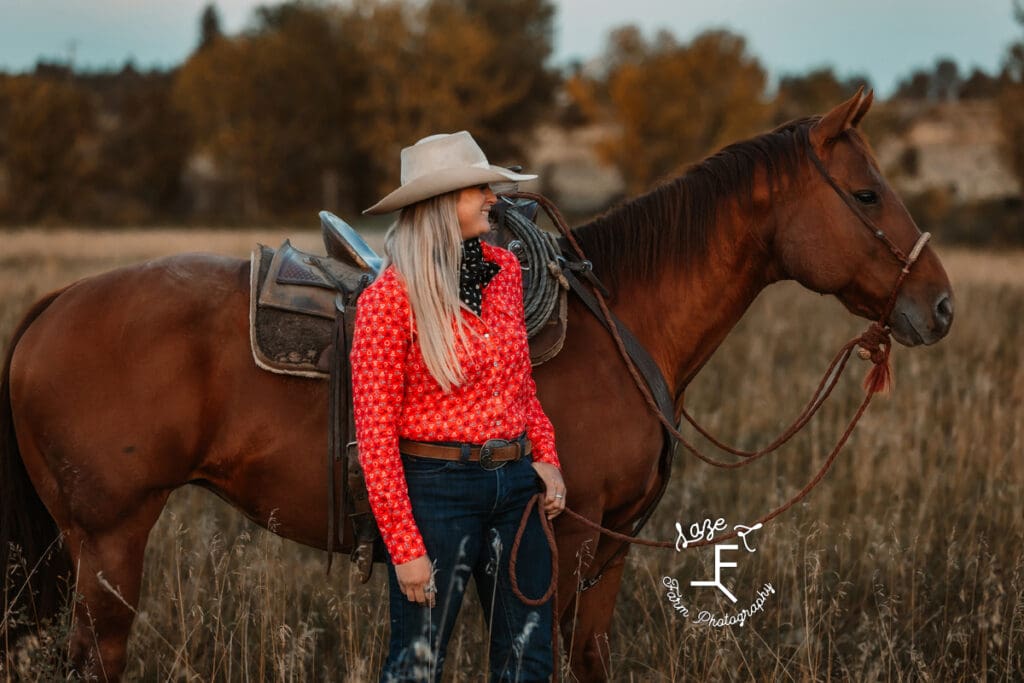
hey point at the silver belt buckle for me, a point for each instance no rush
(487, 451)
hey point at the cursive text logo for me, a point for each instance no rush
(674, 596)
(705, 617)
(706, 531)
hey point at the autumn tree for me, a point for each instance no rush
(49, 147)
(814, 92)
(315, 91)
(272, 108)
(979, 86)
(941, 83)
(435, 68)
(946, 80)
(209, 27)
(6, 96)
(916, 86)
(520, 37)
(673, 102)
(144, 150)
(1011, 104)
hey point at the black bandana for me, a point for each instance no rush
(475, 274)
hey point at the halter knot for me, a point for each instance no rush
(876, 344)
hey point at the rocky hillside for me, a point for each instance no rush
(953, 146)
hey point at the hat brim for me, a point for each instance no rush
(446, 180)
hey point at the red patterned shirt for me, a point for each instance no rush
(395, 396)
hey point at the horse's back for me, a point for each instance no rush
(131, 298)
(104, 326)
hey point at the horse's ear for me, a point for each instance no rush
(839, 119)
(865, 104)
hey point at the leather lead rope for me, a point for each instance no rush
(537, 501)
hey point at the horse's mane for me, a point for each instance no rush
(673, 223)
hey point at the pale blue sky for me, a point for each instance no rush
(885, 39)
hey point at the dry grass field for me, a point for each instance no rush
(904, 564)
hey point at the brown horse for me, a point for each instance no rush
(125, 386)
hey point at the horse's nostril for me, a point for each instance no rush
(944, 311)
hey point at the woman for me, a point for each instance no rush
(452, 439)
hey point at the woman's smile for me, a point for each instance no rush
(473, 208)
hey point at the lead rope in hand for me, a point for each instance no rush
(537, 501)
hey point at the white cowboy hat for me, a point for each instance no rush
(439, 164)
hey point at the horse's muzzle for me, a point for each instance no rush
(914, 324)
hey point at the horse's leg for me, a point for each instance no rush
(589, 658)
(108, 564)
(105, 528)
(583, 621)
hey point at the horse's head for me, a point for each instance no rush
(842, 230)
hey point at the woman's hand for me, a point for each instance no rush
(416, 579)
(554, 487)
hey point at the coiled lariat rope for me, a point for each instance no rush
(536, 249)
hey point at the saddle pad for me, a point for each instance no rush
(292, 309)
(287, 341)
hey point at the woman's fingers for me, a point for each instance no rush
(416, 580)
(424, 594)
(554, 506)
(554, 488)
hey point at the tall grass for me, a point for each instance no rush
(904, 564)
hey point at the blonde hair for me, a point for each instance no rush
(425, 246)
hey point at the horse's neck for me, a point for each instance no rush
(683, 316)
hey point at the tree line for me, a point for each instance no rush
(309, 106)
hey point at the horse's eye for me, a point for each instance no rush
(866, 196)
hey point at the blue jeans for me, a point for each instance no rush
(468, 517)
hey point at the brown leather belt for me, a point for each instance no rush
(492, 452)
